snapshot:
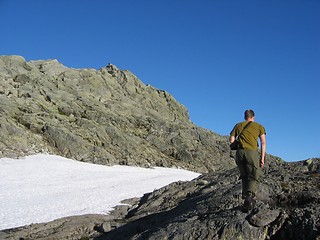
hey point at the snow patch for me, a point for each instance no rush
(42, 188)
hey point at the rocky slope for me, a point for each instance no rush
(108, 116)
(104, 116)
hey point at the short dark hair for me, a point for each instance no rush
(248, 114)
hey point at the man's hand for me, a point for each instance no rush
(261, 163)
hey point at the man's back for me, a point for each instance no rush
(249, 136)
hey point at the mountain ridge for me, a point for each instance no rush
(98, 116)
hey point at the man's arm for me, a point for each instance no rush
(231, 139)
(263, 147)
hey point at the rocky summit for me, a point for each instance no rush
(104, 116)
(108, 116)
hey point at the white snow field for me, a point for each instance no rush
(42, 188)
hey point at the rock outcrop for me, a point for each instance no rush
(108, 116)
(104, 116)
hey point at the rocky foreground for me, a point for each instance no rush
(208, 207)
(108, 116)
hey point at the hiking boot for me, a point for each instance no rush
(248, 203)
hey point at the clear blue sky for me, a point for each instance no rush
(218, 58)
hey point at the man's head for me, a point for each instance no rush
(249, 115)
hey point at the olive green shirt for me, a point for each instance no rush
(249, 137)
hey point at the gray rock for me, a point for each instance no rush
(209, 208)
(77, 227)
(263, 217)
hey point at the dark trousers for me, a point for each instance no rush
(248, 162)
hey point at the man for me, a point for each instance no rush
(248, 160)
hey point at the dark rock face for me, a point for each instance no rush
(208, 208)
(108, 116)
